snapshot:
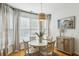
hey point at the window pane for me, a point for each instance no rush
(33, 31)
(34, 23)
(34, 26)
(24, 28)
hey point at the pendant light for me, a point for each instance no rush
(41, 15)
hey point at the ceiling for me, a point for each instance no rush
(47, 7)
(32, 7)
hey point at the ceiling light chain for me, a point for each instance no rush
(42, 16)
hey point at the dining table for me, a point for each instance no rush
(36, 43)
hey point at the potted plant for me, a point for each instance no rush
(40, 35)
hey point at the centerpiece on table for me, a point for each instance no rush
(40, 35)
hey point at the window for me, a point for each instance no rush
(24, 28)
(28, 26)
(34, 26)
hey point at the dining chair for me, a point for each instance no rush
(31, 39)
(49, 49)
(51, 46)
(28, 51)
(50, 38)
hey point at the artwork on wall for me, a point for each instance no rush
(68, 22)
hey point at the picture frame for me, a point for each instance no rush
(68, 22)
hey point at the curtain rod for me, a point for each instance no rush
(19, 9)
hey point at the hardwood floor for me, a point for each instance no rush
(60, 53)
(21, 53)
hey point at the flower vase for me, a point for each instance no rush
(40, 39)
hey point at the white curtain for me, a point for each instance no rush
(5, 17)
(16, 33)
(10, 26)
(4, 39)
(0, 28)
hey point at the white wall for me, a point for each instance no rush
(66, 10)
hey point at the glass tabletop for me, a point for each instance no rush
(37, 43)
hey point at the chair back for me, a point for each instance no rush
(26, 47)
(50, 38)
(51, 47)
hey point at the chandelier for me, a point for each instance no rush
(41, 15)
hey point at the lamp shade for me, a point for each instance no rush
(42, 16)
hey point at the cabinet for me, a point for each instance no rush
(65, 44)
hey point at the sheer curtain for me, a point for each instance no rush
(10, 29)
(28, 25)
(16, 30)
(34, 27)
(1, 28)
(24, 30)
(16, 26)
(6, 29)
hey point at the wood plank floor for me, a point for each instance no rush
(21, 53)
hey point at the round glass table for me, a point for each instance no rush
(36, 43)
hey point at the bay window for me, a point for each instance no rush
(16, 26)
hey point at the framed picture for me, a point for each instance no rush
(68, 22)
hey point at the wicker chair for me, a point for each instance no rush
(31, 39)
(28, 50)
(49, 49)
